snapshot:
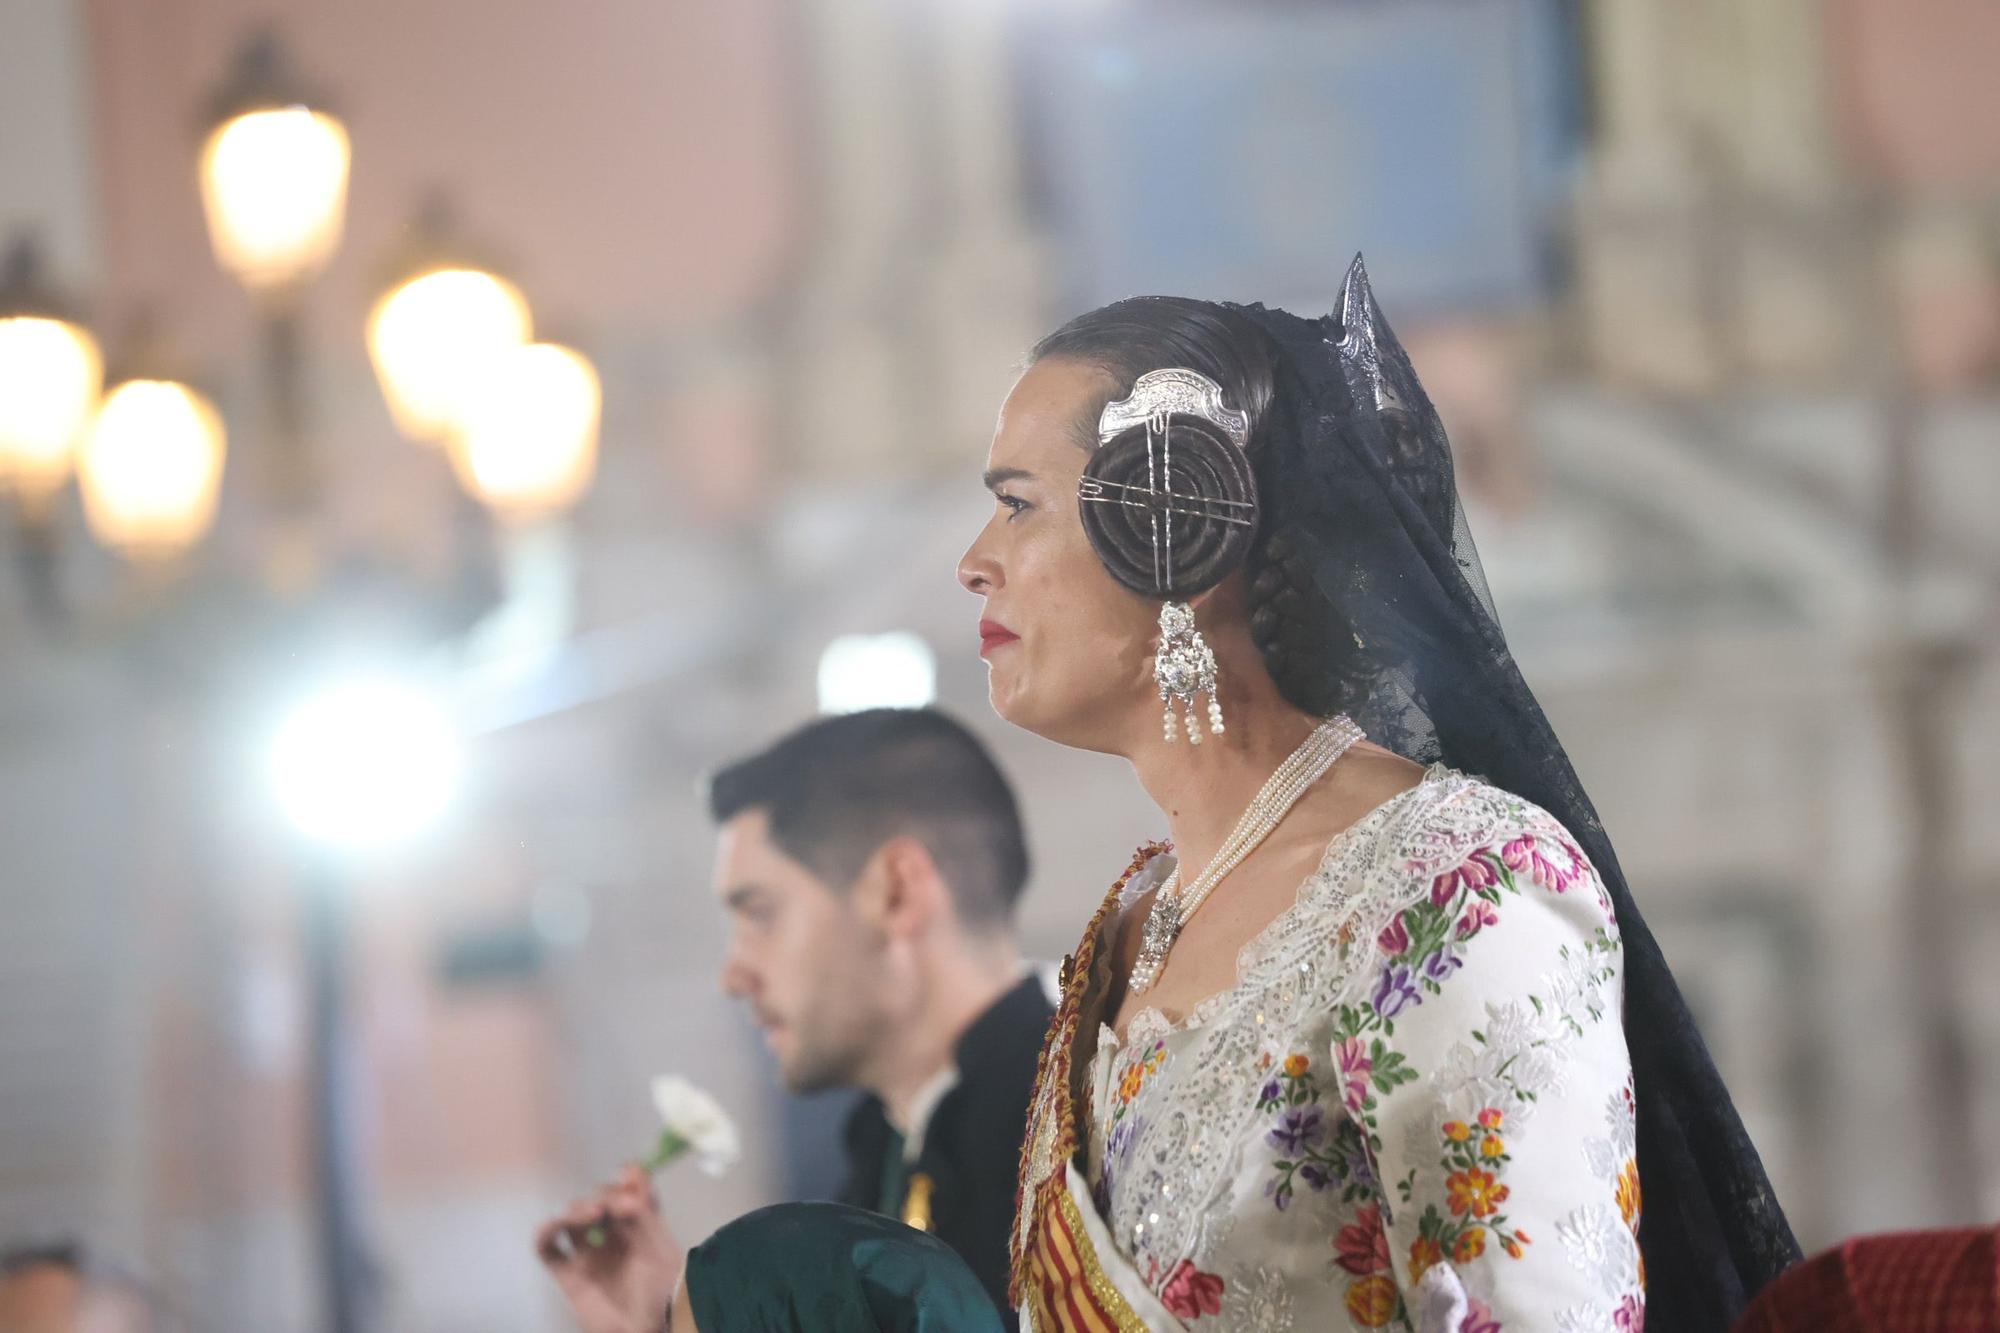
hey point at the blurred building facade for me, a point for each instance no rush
(1708, 295)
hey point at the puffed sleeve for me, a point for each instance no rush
(1487, 1069)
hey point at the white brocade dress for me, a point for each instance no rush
(1414, 1110)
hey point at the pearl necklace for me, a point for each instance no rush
(1174, 906)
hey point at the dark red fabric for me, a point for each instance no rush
(1902, 1282)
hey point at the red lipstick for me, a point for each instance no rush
(992, 634)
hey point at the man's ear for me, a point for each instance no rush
(905, 892)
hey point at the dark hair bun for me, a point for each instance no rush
(1199, 497)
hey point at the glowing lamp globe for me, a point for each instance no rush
(526, 444)
(432, 337)
(51, 373)
(151, 468)
(274, 187)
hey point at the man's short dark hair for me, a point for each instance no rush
(835, 790)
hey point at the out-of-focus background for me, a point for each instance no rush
(1708, 294)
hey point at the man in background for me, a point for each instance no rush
(869, 865)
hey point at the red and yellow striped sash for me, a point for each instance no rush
(1056, 1272)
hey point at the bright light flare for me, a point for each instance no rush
(365, 764)
(859, 671)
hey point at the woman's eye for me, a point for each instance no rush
(1014, 503)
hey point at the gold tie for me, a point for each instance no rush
(917, 1202)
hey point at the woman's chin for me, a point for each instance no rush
(1016, 708)
(1012, 703)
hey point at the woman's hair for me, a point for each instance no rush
(1311, 652)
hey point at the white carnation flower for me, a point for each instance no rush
(693, 1121)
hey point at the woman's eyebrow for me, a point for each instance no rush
(999, 475)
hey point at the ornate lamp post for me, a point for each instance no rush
(451, 339)
(274, 168)
(51, 372)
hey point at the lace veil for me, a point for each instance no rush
(1357, 479)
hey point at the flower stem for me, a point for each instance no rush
(671, 1145)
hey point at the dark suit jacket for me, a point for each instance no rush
(972, 1145)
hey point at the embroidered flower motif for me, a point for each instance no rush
(1628, 1195)
(1478, 915)
(1295, 1065)
(1490, 1117)
(1471, 1243)
(1128, 1087)
(1442, 964)
(1191, 1293)
(1456, 1131)
(1363, 1244)
(1355, 1067)
(1373, 1301)
(1395, 938)
(1395, 992)
(1117, 1156)
(1599, 1246)
(1630, 1315)
(1300, 1128)
(1257, 1301)
(1494, 1146)
(1477, 1192)
(1424, 1253)
(1473, 874)
(1553, 865)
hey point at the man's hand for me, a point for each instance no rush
(613, 1257)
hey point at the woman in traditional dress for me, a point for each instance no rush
(1382, 1040)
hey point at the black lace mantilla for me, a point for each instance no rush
(1358, 478)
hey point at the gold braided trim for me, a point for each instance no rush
(1051, 1139)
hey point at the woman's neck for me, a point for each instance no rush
(1203, 790)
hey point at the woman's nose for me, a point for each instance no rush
(977, 573)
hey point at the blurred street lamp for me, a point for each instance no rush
(273, 168)
(51, 372)
(151, 468)
(526, 441)
(432, 336)
(443, 313)
(274, 173)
